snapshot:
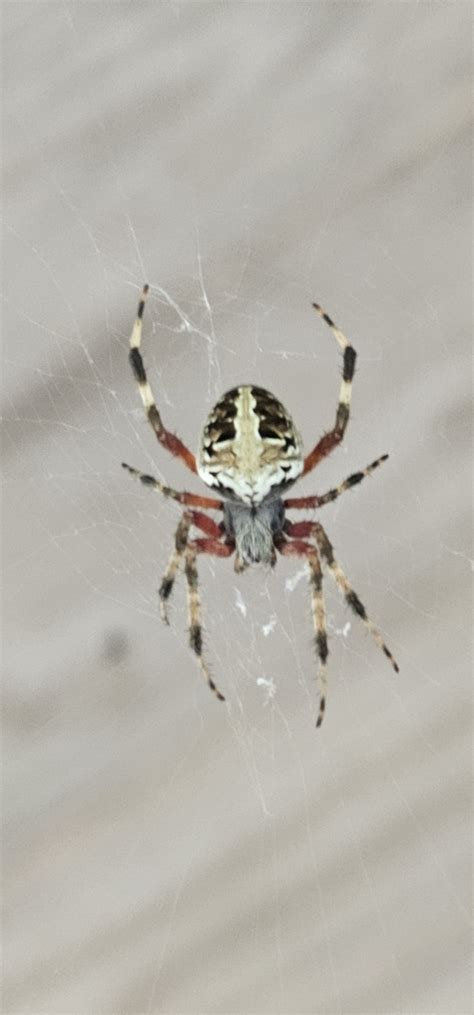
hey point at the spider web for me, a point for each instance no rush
(145, 821)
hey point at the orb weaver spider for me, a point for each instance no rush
(251, 452)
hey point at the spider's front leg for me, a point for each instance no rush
(316, 531)
(331, 440)
(188, 518)
(298, 548)
(184, 547)
(210, 545)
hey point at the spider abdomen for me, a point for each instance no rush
(249, 446)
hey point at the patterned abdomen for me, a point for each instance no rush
(249, 447)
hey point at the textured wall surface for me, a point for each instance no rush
(165, 852)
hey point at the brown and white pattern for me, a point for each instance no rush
(250, 447)
(252, 452)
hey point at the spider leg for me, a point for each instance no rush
(189, 550)
(213, 546)
(200, 521)
(165, 437)
(325, 498)
(301, 549)
(167, 582)
(331, 440)
(316, 530)
(194, 604)
(190, 499)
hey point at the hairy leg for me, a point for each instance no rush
(191, 499)
(316, 531)
(331, 440)
(200, 521)
(167, 439)
(194, 612)
(298, 548)
(318, 501)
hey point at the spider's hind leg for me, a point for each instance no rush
(333, 438)
(168, 440)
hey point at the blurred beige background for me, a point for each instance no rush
(165, 853)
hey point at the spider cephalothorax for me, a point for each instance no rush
(251, 452)
(253, 529)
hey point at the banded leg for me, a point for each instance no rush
(165, 437)
(190, 499)
(214, 546)
(200, 521)
(319, 621)
(330, 440)
(299, 548)
(194, 611)
(167, 582)
(325, 498)
(316, 530)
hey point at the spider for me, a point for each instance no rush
(251, 452)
